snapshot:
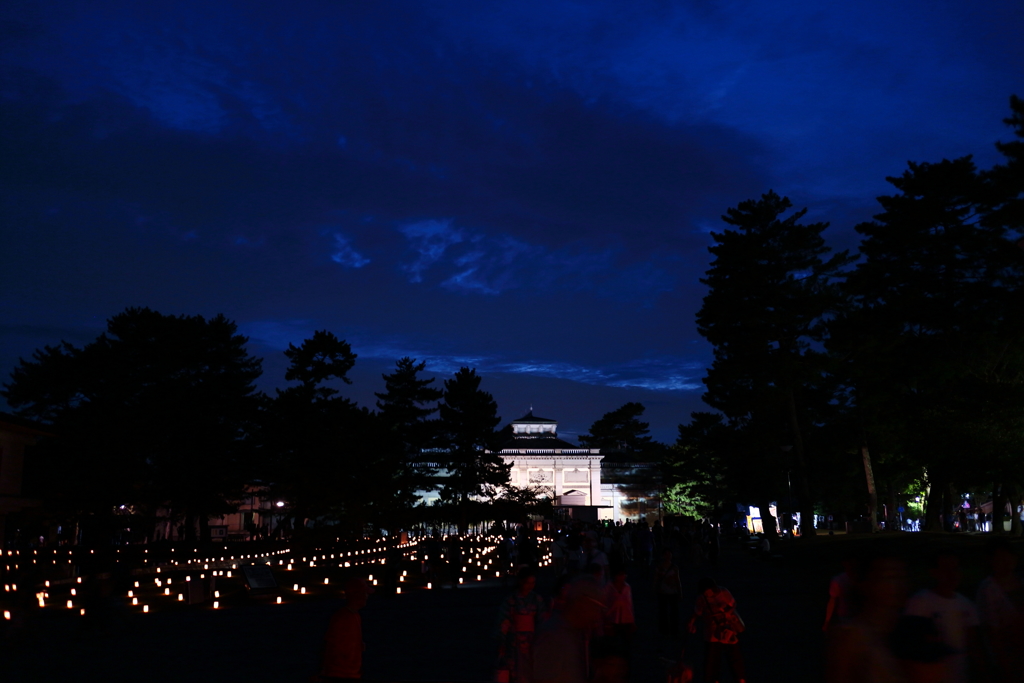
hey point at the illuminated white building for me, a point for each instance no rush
(569, 473)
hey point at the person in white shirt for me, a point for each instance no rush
(954, 616)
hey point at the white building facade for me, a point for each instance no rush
(568, 473)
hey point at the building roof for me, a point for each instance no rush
(539, 441)
(532, 419)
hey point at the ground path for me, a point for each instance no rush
(439, 635)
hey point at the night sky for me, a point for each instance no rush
(522, 187)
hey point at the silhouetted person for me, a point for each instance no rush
(716, 609)
(668, 589)
(954, 615)
(343, 644)
(620, 622)
(917, 645)
(714, 544)
(839, 594)
(858, 650)
(592, 555)
(561, 646)
(1000, 604)
(518, 619)
(609, 662)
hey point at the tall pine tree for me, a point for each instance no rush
(469, 416)
(770, 291)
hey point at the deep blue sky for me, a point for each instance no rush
(523, 187)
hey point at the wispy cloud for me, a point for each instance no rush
(346, 255)
(429, 239)
(479, 263)
(662, 373)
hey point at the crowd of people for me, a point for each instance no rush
(584, 632)
(877, 634)
(583, 629)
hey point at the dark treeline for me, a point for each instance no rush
(845, 382)
(160, 416)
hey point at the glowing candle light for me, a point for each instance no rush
(145, 608)
(303, 590)
(326, 581)
(130, 594)
(167, 591)
(81, 612)
(135, 601)
(428, 585)
(279, 599)
(398, 589)
(73, 592)
(216, 605)
(295, 587)
(70, 605)
(181, 597)
(7, 614)
(216, 594)
(136, 584)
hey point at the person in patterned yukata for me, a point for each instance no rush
(518, 619)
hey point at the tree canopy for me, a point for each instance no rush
(157, 410)
(620, 433)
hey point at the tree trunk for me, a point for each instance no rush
(933, 504)
(767, 520)
(890, 517)
(806, 502)
(869, 473)
(463, 515)
(204, 530)
(998, 507)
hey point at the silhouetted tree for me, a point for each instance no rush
(330, 460)
(467, 432)
(404, 408)
(935, 341)
(770, 292)
(155, 411)
(620, 434)
(406, 402)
